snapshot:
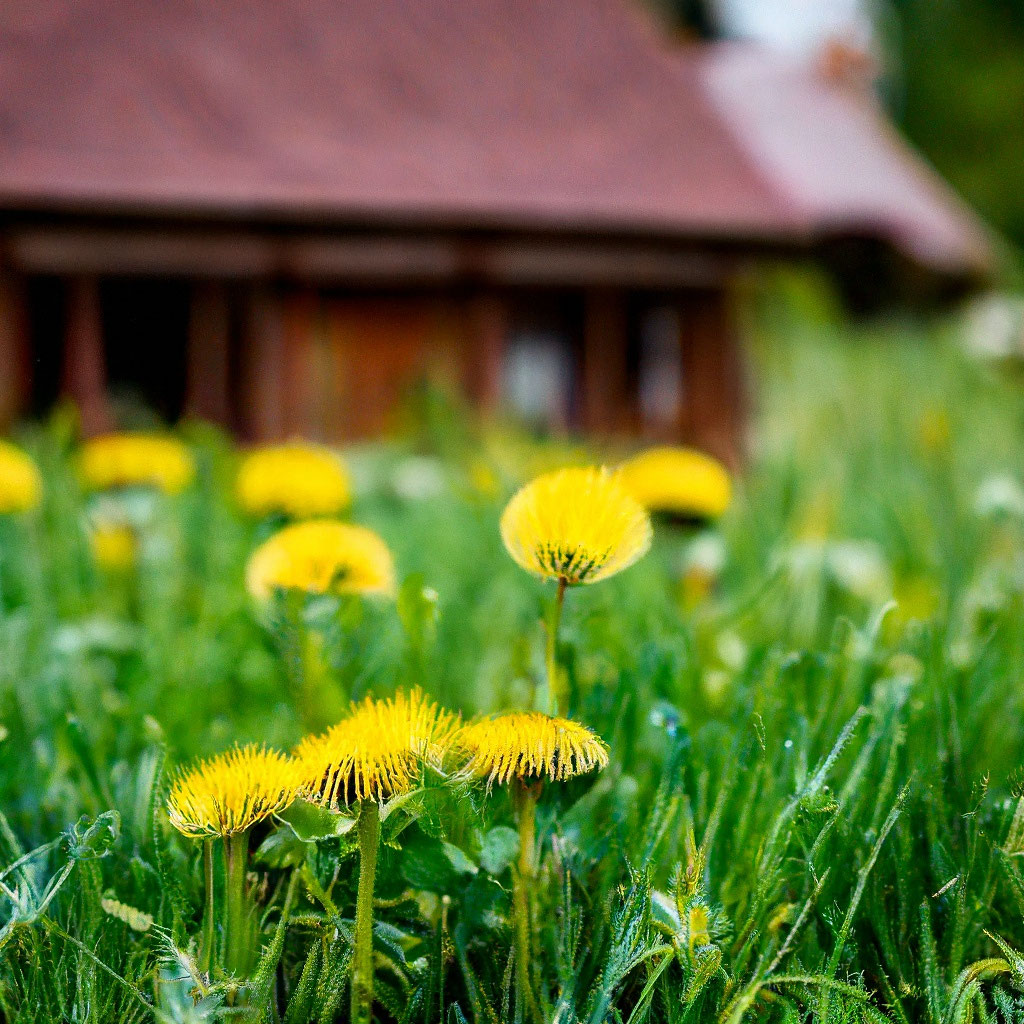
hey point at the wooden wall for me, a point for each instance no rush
(15, 348)
(711, 410)
(338, 367)
(715, 388)
(270, 361)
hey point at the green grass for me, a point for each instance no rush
(812, 808)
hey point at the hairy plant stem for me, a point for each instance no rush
(208, 953)
(368, 829)
(524, 797)
(556, 696)
(236, 853)
(300, 657)
(310, 659)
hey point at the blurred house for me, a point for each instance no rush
(278, 215)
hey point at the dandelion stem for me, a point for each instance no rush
(525, 798)
(557, 697)
(310, 662)
(207, 954)
(236, 852)
(362, 963)
(298, 658)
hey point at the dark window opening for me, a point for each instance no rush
(655, 366)
(659, 371)
(46, 315)
(145, 331)
(541, 370)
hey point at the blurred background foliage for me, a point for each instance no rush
(956, 87)
(951, 72)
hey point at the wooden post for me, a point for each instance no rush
(605, 406)
(302, 377)
(262, 366)
(15, 359)
(84, 375)
(715, 401)
(486, 317)
(208, 371)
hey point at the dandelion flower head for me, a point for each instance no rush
(21, 485)
(577, 525)
(678, 482)
(525, 745)
(114, 546)
(320, 557)
(377, 752)
(299, 480)
(233, 791)
(136, 460)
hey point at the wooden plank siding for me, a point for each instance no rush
(83, 372)
(715, 389)
(15, 348)
(607, 403)
(269, 360)
(208, 385)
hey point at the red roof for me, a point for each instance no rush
(829, 150)
(530, 114)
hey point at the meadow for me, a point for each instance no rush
(811, 809)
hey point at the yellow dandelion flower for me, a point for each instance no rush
(299, 480)
(21, 485)
(575, 525)
(228, 794)
(376, 752)
(529, 744)
(114, 546)
(678, 482)
(523, 749)
(319, 557)
(136, 460)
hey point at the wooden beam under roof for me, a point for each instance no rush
(361, 258)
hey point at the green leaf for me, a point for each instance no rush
(455, 1015)
(500, 848)
(92, 838)
(312, 824)
(282, 849)
(1014, 960)
(426, 865)
(458, 860)
(410, 802)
